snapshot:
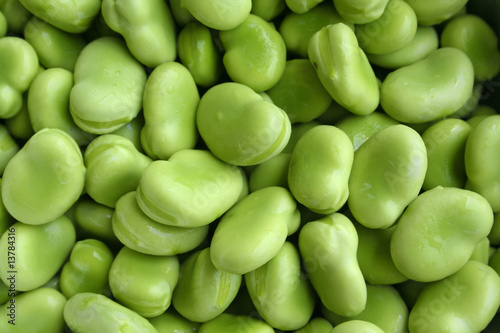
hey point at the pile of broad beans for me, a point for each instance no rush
(249, 166)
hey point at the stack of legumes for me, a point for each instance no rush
(249, 166)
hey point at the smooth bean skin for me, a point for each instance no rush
(48, 104)
(228, 323)
(172, 322)
(300, 6)
(114, 168)
(438, 232)
(54, 47)
(473, 35)
(445, 143)
(328, 248)
(253, 231)
(143, 283)
(316, 325)
(297, 29)
(199, 53)
(219, 14)
(42, 306)
(268, 9)
(8, 147)
(203, 291)
(108, 88)
(170, 102)
(47, 172)
(360, 11)
(239, 126)
(19, 65)
(147, 27)
(319, 169)
(360, 326)
(191, 189)
(282, 297)
(74, 17)
(255, 53)
(299, 92)
(390, 32)
(431, 12)
(90, 312)
(273, 172)
(429, 89)
(87, 269)
(374, 256)
(35, 267)
(481, 156)
(468, 301)
(423, 43)
(384, 308)
(361, 128)
(343, 68)
(387, 174)
(93, 220)
(140, 233)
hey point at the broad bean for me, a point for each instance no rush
(255, 53)
(387, 174)
(48, 172)
(87, 269)
(108, 88)
(54, 47)
(191, 189)
(343, 68)
(282, 297)
(73, 17)
(204, 292)
(299, 92)
(239, 126)
(42, 308)
(35, 267)
(219, 14)
(253, 231)
(429, 89)
(48, 104)
(147, 27)
(91, 312)
(438, 232)
(169, 107)
(142, 282)
(319, 169)
(140, 233)
(114, 168)
(481, 156)
(465, 301)
(328, 248)
(18, 67)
